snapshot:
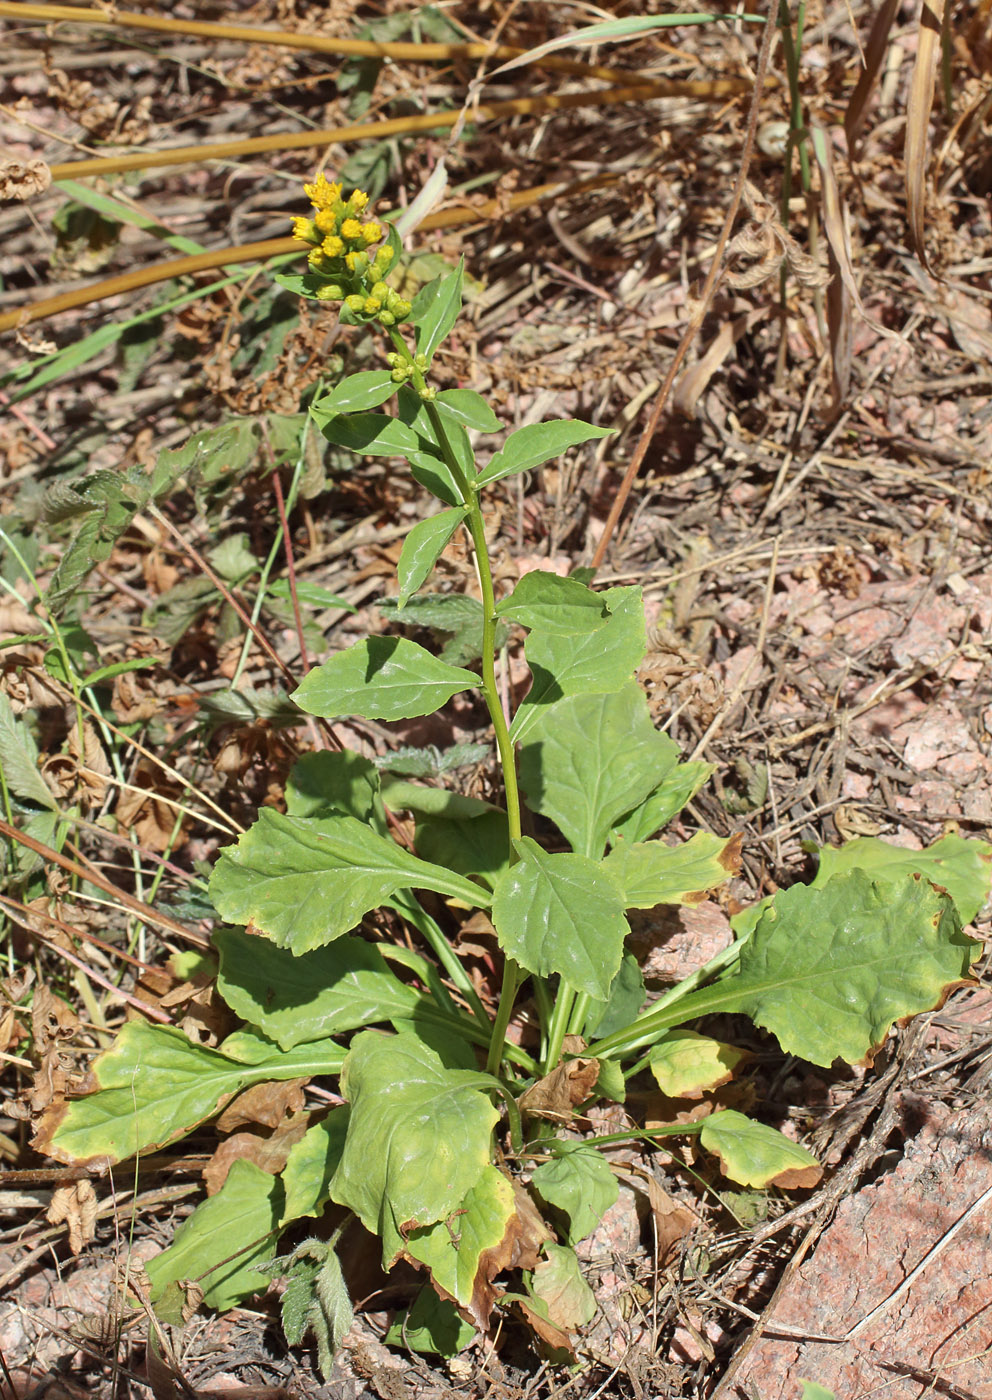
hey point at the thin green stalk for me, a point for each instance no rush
(558, 1029)
(580, 1010)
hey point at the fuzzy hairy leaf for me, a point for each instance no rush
(224, 1239)
(154, 1085)
(306, 881)
(591, 758)
(381, 678)
(419, 1137)
(19, 759)
(561, 914)
(295, 999)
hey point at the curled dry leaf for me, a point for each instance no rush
(270, 1153)
(20, 179)
(558, 1094)
(918, 123)
(762, 246)
(144, 812)
(76, 1206)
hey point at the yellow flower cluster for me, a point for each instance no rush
(340, 248)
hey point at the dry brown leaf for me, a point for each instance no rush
(20, 179)
(548, 1333)
(76, 1205)
(153, 822)
(918, 123)
(672, 1220)
(558, 1094)
(269, 1153)
(878, 39)
(691, 384)
(263, 1104)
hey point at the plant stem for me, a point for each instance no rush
(560, 1018)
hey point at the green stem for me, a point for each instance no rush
(559, 1025)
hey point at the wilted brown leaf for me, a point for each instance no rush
(152, 821)
(269, 1153)
(548, 1333)
(558, 1093)
(20, 179)
(264, 1104)
(76, 1205)
(918, 123)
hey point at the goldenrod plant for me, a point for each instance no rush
(459, 1138)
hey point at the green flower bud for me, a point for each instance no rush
(386, 318)
(383, 257)
(330, 291)
(428, 393)
(395, 361)
(398, 376)
(419, 360)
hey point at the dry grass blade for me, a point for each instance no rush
(918, 123)
(878, 40)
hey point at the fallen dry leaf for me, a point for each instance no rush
(76, 1205)
(20, 179)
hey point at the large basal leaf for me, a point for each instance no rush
(678, 787)
(558, 1283)
(594, 663)
(423, 547)
(419, 1137)
(753, 1154)
(539, 442)
(475, 846)
(591, 758)
(963, 867)
(454, 1248)
(239, 1221)
(563, 607)
(343, 784)
(381, 678)
(622, 1005)
(154, 1085)
(652, 873)
(828, 971)
(361, 391)
(579, 1183)
(311, 1165)
(322, 993)
(306, 881)
(686, 1064)
(561, 914)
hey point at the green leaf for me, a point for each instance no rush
(539, 442)
(651, 873)
(685, 1064)
(561, 914)
(423, 547)
(312, 1163)
(419, 1138)
(476, 846)
(813, 1391)
(316, 1300)
(299, 999)
(155, 1086)
(558, 1283)
(678, 787)
(468, 409)
(453, 1247)
(432, 1325)
(590, 759)
(371, 434)
(435, 310)
(381, 678)
(579, 1183)
(963, 867)
(306, 881)
(828, 971)
(427, 466)
(755, 1155)
(310, 594)
(239, 1221)
(19, 759)
(344, 783)
(561, 607)
(597, 662)
(355, 394)
(457, 614)
(622, 1005)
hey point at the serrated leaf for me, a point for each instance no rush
(371, 434)
(591, 758)
(753, 1154)
(453, 1248)
(153, 1086)
(295, 999)
(307, 881)
(358, 392)
(651, 873)
(962, 866)
(435, 310)
(685, 1064)
(579, 1183)
(828, 971)
(239, 1221)
(678, 787)
(561, 607)
(597, 662)
(468, 409)
(19, 759)
(381, 678)
(316, 1300)
(423, 547)
(558, 1283)
(561, 914)
(419, 1137)
(312, 1163)
(538, 442)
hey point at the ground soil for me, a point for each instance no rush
(811, 529)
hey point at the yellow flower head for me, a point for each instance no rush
(358, 201)
(352, 230)
(371, 232)
(333, 246)
(322, 194)
(326, 220)
(306, 231)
